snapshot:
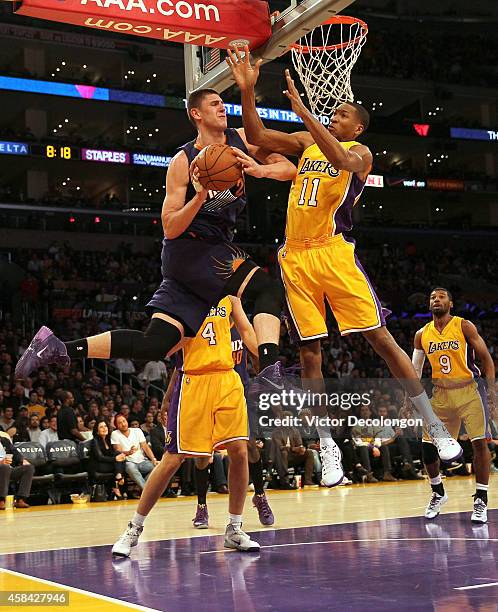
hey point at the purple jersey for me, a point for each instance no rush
(239, 353)
(218, 214)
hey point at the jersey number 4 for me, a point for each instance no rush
(445, 363)
(315, 183)
(209, 334)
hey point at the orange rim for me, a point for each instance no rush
(337, 19)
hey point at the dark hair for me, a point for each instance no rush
(116, 419)
(363, 114)
(448, 293)
(195, 100)
(96, 430)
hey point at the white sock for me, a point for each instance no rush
(424, 408)
(436, 480)
(324, 434)
(235, 520)
(482, 487)
(138, 519)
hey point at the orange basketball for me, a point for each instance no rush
(218, 166)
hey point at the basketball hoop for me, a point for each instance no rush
(324, 59)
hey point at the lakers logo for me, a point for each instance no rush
(168, 437)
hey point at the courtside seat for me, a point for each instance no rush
(43, 480)
(66, 464)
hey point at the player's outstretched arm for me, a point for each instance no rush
(272, 166)
(244, 327)
(246, 76)
(358, 159)
(481, 350)
(176, 214)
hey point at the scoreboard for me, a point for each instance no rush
(68, 152)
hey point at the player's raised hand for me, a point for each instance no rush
(249, 165)
(292, 93)
(244, 73)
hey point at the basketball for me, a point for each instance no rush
(219, 168)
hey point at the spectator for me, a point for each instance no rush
(67, 423)
(103, 458)
(369, 446)
(44, 423)
(397, 444)
(157, 440)
(20, 433)
(50, 434)
(289, 451)
(13, 468)
(131, 442)
(34, 430)
(148, 425)
(34, 406)
(7, 418)
(83, 429)
(154, 374)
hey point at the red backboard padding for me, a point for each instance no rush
(209, 23)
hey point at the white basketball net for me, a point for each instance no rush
(324, 59)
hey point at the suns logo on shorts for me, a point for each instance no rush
(228, 267)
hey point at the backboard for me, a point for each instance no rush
(206, 68)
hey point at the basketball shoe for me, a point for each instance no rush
(201, 517)
(44, 349)
(447, 447)
(129, 539)
(237, 539)
(331, 457)
(435, 504)
(480, 514)
(264, 511)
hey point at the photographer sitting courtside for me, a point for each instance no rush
(16, 469)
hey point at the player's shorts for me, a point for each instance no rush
(327, 269)
(467, 405)
(205, 412)
(195, 277)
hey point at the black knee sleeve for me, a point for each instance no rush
(267, 293)
(429, 453)
(155, 343)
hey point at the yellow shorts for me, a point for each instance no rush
(329, 270)
(205, 412)
(467, 405)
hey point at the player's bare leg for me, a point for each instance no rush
(238, 479)
(482, 463)
(401, 367)
(259, 499)
(154, 487)
(331, 456)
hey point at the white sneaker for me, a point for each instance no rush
(434, 506)
(129, 539)
(239, 540)
(345, 481)
(447, 447)
(480, 514)
(331, 457)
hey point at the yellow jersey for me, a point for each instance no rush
(450, 356)
(322, 198)
(211, 349)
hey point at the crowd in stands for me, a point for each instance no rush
(83, 293)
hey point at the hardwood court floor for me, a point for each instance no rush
(360, 519)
